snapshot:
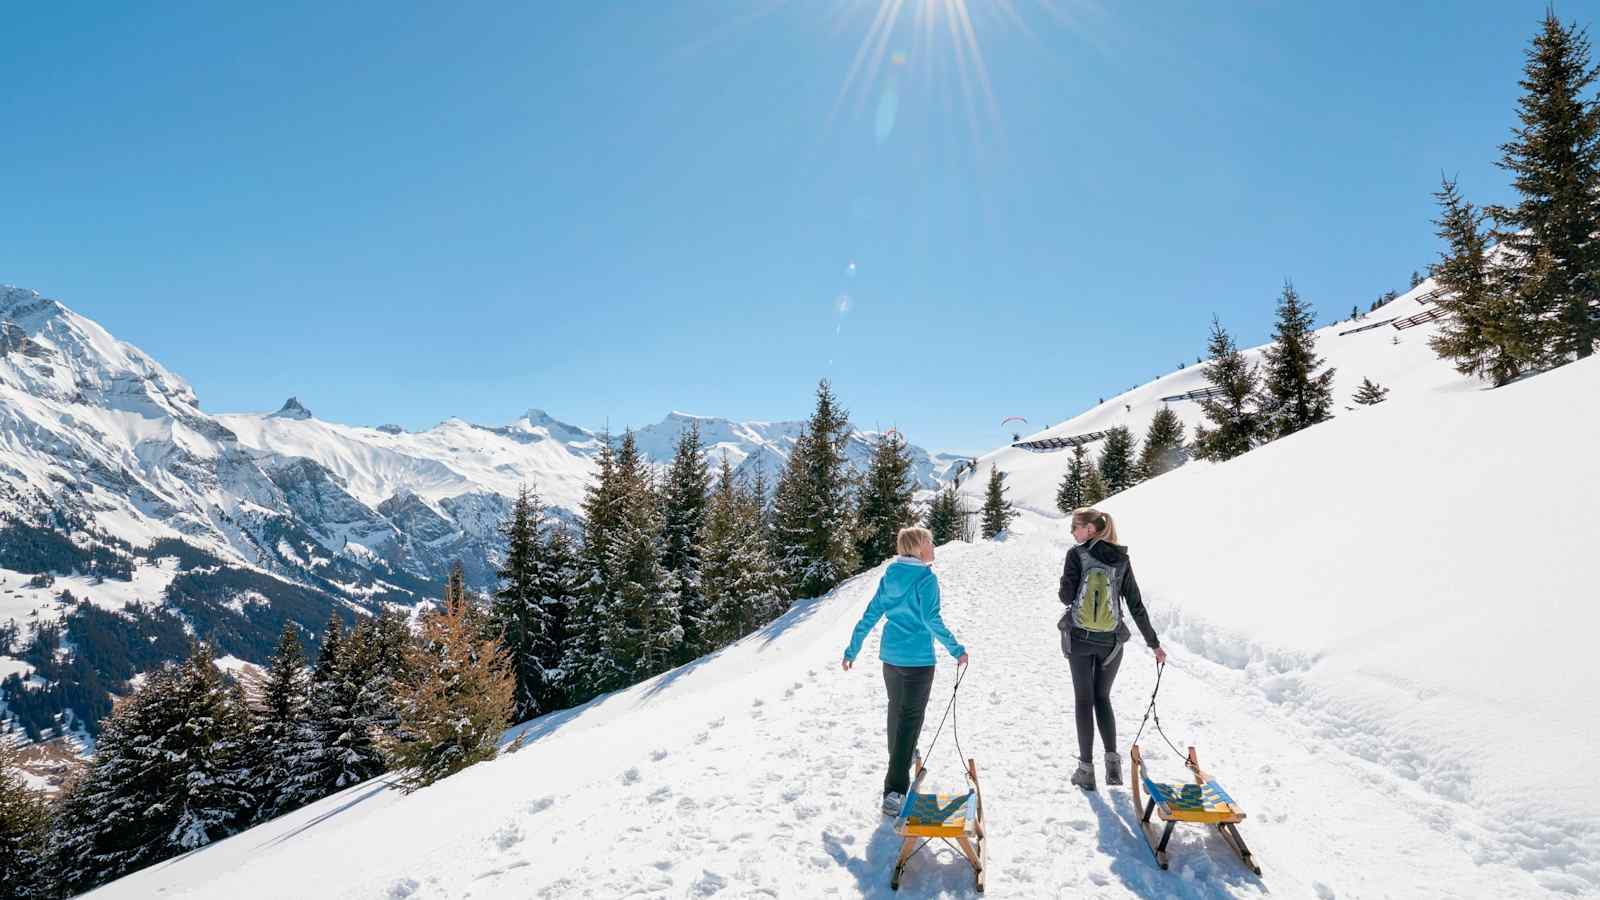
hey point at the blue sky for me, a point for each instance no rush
(404, 212)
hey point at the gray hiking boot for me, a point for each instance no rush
(1084, 776)
(1113, 770)
(892, 803)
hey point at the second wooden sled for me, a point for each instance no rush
(1201, 803)
(956, 818)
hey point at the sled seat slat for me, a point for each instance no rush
(937, 815)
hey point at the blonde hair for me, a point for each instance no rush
(1105, 527)
(912, 539)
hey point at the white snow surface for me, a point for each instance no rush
(1378, 632)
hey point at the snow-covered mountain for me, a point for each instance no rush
(117, 489)
(1379, 632)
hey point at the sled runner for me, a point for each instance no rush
(945, 817)
(1202, 803)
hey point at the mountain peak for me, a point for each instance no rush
(292, 410)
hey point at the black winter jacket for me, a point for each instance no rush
(1072, 573)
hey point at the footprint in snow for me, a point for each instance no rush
(507, 836)
(629, 777)
(1323, 891)
(405, 887)
(658, 755)
(660, 795)
(540, 805)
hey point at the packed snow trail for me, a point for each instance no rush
(764, 780)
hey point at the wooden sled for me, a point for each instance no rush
(1202, 803)
(945, 817)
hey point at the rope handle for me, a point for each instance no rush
(1150, 713)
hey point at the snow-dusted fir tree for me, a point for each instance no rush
(1164, 448)
(560, 587)
(997, 513)
(742, 582)
(1294, 395)
(587, 669)
(639, 626)
(1370, 393)
(24, 829)
(1094, 488)
(278, 703)
(385, 666)
(1553, 268)
(1235, 426)
(1489, 333)
(457, 700)
(1070, 493)
(944, 516)
(169, 774)
(1116, 463)
(337, 748)
(885, 500)
(684, 496)
(517, 612)
(812, 516)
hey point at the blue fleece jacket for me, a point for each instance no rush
(908, 596)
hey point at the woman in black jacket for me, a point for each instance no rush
(1096, 583)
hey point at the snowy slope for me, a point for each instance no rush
(1386, 664)
(1407, 367)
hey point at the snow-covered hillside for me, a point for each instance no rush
(1379, 635)
(1397, 359)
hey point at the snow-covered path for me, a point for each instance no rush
(755, 773)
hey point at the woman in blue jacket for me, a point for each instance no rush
(908, 597)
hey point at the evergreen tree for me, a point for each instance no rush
(169, 774)
(518, 613)
(456, 703)
(24, 829)
(560, 590)
(1294, 395)
(885, 505)
(684, 497)
(812, 520)
(639, 627)
(997, 513)
(1116, 460)
(1416, 278)
(1236, 425)
(278, 706)
(337, 747)
(1487, 334)
(1554, 265)
(1094, 488)
(385, 665)
(1370, 394)
(586, 669)
(742, 581)
(1355, 314)
(1163, 448)
(944, 516)
(1069, 495)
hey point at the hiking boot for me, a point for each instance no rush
(1113, 770)
(892, 803)
(1084, 776)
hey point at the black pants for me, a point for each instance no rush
(1094, 668)
(908, 700)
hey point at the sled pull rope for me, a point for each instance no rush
(1150, 713)
(949, 712)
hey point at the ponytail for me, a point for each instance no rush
(1105, 527)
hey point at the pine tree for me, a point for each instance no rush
(1163, 448)
(1370, 393)
(386, 666)
(560, 589)
(1294, 395)
(1236, 426)
(684, 497)
(1355, 314)
(1553, 268)
(518, 614)
(1094, 488)
(997, 512)
(639, 627)
(1416, 278)
(337, 748)
(1116, 460)
(1070, 494)
(278, 706)
(24, 830)
(812, 519)
(742, 581)
(886, 494)
(944, 516)
(1488, 334)
(457, 701)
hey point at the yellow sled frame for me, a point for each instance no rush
(1219, 811)
(955, 818)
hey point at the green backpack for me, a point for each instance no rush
(1099, 604)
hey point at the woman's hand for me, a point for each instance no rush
(962, 659)
(1161, 656)
(845, 664)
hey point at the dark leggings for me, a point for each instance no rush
(908, 700)
(1094, 668)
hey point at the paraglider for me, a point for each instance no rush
(1012, 419)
